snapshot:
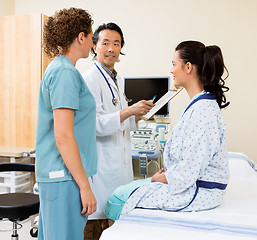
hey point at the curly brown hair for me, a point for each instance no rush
(62, 28)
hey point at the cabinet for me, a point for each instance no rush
(16, 181)
(22, 64)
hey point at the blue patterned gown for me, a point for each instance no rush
(196, 150)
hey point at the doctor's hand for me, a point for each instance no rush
(142, 107)
(88, 201)
(159, 177)
(138, 110)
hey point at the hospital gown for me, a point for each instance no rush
(196, 150)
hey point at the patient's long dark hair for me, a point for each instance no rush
(210, 67)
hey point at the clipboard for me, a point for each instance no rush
(161, 102)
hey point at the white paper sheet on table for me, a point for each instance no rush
(235, 219)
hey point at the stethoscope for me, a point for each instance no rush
(114, 99)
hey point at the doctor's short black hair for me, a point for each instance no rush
(107, 26)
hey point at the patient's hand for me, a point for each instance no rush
(159, 176)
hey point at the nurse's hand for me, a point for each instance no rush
(88, 202)
(142, 107)
(159, 177)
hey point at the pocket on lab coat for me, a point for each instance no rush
(109, 160)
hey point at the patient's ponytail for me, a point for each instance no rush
(210, 67)
(212, 71)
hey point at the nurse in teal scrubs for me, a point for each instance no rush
(66, 152)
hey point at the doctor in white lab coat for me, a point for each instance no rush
(114, 119)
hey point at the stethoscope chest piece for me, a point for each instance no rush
(115, 101)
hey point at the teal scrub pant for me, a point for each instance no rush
(119, 197)
(59, 214)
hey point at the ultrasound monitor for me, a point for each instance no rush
(144, 88)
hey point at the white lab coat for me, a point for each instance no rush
(113, 138)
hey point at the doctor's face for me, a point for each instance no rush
(179, 71)
(108, 48)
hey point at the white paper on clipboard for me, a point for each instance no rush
(161, 102)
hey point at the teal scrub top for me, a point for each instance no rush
(62, 86)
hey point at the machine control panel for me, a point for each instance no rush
(143, 140)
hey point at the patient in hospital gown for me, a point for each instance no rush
(196, 170)
(196, 150)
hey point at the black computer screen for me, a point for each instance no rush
(139, 88)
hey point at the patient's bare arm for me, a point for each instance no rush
(159, 176)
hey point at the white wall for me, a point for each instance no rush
(152, 30)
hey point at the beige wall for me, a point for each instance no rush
(7, 7)
(153, 29)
